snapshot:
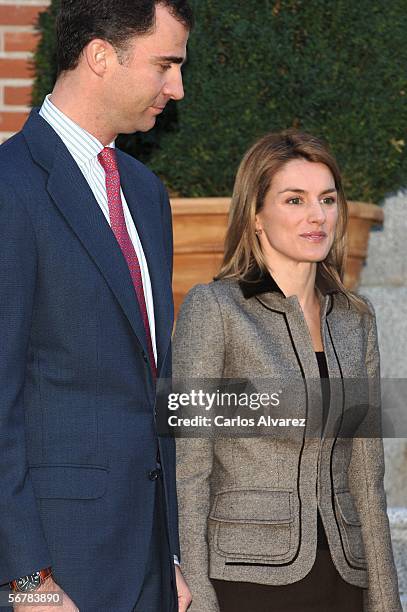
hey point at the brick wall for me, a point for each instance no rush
(17, 42)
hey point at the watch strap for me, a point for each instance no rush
(43, 575)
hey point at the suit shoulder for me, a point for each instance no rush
(18, 170)
(12, 149)
(15, 161)
(143, 172)
(21, 178)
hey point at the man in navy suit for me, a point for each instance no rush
(88, 497)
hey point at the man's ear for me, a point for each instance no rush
(98, 54)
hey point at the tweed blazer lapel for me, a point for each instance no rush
(332, 326)
(300, 337)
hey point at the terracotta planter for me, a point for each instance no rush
(199, 229)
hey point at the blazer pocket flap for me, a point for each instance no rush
(347, 508)
(253, 506)
(68, 481)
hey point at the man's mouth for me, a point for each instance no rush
(159, 109)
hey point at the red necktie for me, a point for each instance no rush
(107, 158)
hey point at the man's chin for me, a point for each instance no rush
(144, 126)
(149, 125)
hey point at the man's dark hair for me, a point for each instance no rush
(116, 21)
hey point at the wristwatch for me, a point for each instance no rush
(32, 582)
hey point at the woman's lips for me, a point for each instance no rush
(314, 236)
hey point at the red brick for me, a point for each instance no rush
(12, 122)
(17, 95)
(16, 69)
(19, 15)
(20, 41)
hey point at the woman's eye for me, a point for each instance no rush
(329, 200)
(294, 201)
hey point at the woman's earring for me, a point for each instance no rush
(258, 232)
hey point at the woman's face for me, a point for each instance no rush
(300, 212)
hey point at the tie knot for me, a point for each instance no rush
(107, 159)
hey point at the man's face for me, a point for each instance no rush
(142, 80)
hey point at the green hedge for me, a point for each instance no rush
(335, 68)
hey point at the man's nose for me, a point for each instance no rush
(174, 87)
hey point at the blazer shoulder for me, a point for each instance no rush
(368, 321)
(199, 296)
(216, 292)
(347, 316)
(342, 303)
(370, 308)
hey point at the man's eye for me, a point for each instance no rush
(294, 201)
(165, 67)
(329, 200)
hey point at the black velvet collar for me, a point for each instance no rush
(258, 282)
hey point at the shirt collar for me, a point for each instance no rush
(82, 145)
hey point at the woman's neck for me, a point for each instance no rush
(297, 278)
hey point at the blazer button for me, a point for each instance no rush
(154, 474)
(145, 357)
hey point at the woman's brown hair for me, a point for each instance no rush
(242, 254)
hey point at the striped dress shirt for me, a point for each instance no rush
(85, 148)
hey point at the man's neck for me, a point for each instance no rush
(82, 109)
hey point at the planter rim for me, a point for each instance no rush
(366, 210)
(190, 206)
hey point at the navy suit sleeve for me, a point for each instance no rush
(167, 225)
(23, 548)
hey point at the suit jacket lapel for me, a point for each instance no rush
(147, 219)
(74, 198)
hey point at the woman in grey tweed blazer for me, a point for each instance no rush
(277, 522)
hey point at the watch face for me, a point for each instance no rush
(29, 583)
